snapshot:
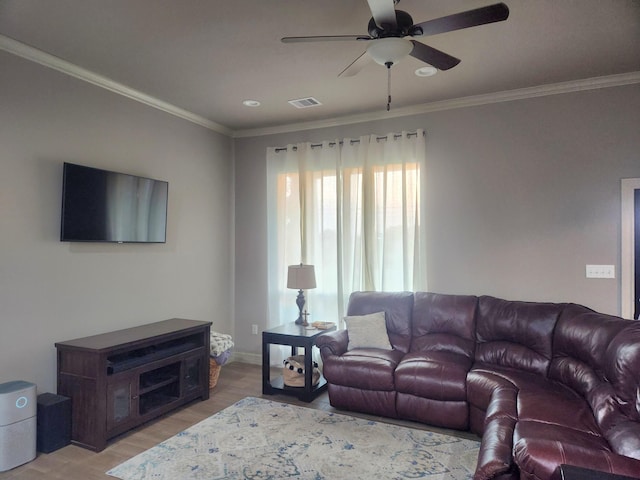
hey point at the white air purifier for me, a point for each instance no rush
(18, 428)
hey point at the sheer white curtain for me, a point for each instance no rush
(352, 208)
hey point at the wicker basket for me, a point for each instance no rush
(293, 372)
(214, 372)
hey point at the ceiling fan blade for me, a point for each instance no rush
(324, 38)
(384, 13)
(357, 65)
(432, 56)
(470, 18)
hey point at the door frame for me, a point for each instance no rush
(627, 274)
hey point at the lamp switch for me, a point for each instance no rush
(601, 271)
(254, 329)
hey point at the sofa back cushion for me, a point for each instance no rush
(397, 307)
(622, 367)
(515, 334)
(580, 343)
(444, 323)
(598, 356)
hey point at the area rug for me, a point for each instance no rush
(259, 439)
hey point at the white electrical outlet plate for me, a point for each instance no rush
(254, 329)
(601, 271)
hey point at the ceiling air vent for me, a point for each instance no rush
(305, 102)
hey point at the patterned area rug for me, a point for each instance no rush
(259, 439)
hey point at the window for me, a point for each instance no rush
(352, 209)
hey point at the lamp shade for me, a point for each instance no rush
(389, 50)
(301, 277)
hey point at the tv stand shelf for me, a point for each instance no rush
(121, 379)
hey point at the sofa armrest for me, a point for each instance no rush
(495, 457)
(624, 438)
(332, 343)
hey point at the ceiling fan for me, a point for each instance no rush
(389, 27)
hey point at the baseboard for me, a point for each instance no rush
(256, 359)
(245, 357)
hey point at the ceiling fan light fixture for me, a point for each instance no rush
(389, 50)
(426, 71)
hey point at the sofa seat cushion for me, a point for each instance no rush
(556, 405)
(535, 395)
(435, 375)
(520, 379)
(527, 429)
(365, 368)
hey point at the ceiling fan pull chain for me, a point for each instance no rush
(388, 64)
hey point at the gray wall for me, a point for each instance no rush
(52, 291)
(521, 196)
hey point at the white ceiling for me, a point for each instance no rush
(207, 56)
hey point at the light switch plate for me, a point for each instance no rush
(601, 271)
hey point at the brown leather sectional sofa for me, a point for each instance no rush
(543, 384)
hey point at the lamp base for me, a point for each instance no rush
(300, 302)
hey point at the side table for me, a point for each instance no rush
(294, 336)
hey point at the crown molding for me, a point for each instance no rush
(472, 101)
(33, 54)
(38, 56)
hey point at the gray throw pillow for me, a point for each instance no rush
(367, 331)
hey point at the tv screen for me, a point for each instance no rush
(103, 206)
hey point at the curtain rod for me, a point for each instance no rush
(351, 142)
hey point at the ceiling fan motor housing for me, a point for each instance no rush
(404, 27)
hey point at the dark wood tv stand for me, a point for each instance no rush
(121, 379)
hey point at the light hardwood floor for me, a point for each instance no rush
(237, 380)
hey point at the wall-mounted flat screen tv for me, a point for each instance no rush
(103, 206)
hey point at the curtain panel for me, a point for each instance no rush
(352, 208)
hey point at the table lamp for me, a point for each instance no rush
(301, 277)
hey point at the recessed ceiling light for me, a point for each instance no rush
(251, 103)
(426, 71)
